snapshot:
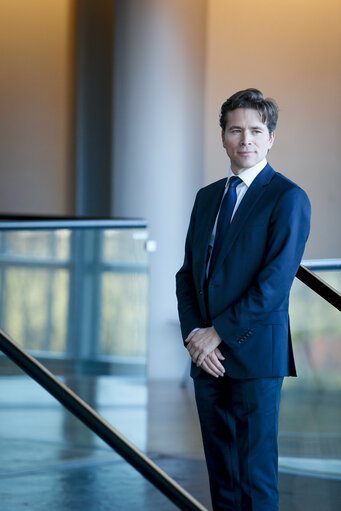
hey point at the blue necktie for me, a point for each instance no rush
(224, 219)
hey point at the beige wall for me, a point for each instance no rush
(36, 174)
(291, 50)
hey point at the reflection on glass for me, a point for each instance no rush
(50, 460)
(310, 417)
(124, 314)
(77, 294)
(34, 306)
(36, 244)
(124, 246)
(79, 299)
(317, 336)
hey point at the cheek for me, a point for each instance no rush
(230, 150)
(230, 146)
(264, 147)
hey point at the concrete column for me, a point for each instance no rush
(158, 146)
(94, 36)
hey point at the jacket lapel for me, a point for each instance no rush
(208, 215)
(244, 210)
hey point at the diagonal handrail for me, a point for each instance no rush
(99, 426)
(320, 287)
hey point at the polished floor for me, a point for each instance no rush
(50, 461)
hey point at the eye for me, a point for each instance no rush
(235, 130)
(257, 131)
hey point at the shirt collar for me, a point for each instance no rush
(248, 175)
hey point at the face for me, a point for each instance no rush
(246, 139)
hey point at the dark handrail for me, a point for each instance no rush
(320, 287)
(98, 425)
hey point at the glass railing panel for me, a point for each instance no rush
(82, 310)
(316, 329)
(75, 295)
(310, 418)
(50, 460)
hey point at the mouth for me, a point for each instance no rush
(245, 153)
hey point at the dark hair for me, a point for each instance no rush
(251, 98)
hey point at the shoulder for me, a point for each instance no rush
(213, 187)
(211, 191)
(289, 200)
(284, 187)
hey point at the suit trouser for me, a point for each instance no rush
(239, 425)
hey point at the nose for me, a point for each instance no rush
(245, 138)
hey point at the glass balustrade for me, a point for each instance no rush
(50, 460)
(77, 297)
(310, 419)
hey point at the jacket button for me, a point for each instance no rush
(201, 292)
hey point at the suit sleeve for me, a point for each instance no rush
(288, 231)
(189, 314)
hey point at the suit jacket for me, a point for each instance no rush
(246, 298)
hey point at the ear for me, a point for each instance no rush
(271, 139)
(223, 137)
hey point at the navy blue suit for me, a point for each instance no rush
(246, 297)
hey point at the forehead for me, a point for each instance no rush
(244, 117)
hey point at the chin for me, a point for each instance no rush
(246, 164)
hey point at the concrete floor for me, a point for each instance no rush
(50, 461)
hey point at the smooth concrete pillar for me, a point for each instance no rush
(158, 146)
(94, 49)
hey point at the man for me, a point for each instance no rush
(244, 245)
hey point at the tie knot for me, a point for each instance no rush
(234, 181)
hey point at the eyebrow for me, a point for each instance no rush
(240, 127)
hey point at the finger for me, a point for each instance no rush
(191, 334)
(216, 370)
(201, 358)
(191, 347)
(195, 355)
(219, 354)
(208, 370)
(216, 363)
(190, 344)
(194, 352)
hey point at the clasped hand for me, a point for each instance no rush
(202, 345)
